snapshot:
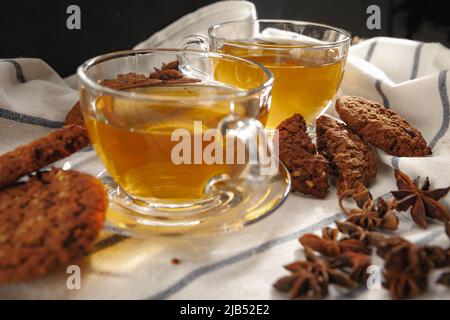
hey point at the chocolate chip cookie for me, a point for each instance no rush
(352, 161)
(44, 151)
(51, 220)
(309, 170)
(381, 127)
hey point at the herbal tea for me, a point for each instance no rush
(305, 81)
(134, 141)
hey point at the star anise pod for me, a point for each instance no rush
(360, 194)
(369, 216)
(330, 246)
(407, 257)
(406, 271)
(422, 201)
(426, 257)
(310, 278)
(174, 65)
(353, 263)
(386, 244)
(405, 285)
(165, 74)
(356, 232)
(435, 257)
(303, 285)
(407, 265)
(444, 279)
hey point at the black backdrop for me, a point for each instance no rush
(37, 28)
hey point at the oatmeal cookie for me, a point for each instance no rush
(74, 117)
(309, 170)
(381, 127)
(352, 161)
(48, 221)
(30, 157)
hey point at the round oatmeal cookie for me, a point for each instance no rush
(382, 127)
(49, 221)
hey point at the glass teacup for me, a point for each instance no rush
(307, 60)
(181, 153)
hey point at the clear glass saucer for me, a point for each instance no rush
(234, 207)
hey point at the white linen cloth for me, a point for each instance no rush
(410, 77)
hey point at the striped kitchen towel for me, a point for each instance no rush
(407, 76)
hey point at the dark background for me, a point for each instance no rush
(37, 28)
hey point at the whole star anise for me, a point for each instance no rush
(353, 263)
(435, 257)
(370, 216)
(330, 246)
(444, 279)
(422, 201)
(405, 285)
(310, 278)
(360, 194)
(356, 232)
(406, 273)
(407, 265)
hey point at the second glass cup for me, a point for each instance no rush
(307, 60)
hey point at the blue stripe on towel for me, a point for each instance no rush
(416, 63)
(371, 50)
(395, 162)
(387, 104)
(446, 109)
(107, 243)
(26, 119)
(414, 72)
(378, 86)
(19, 72)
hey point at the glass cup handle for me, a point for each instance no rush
(260, 152)
(196, 41)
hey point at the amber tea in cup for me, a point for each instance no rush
(133, 139)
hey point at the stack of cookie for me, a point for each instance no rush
(343, 150)
(47, 218)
